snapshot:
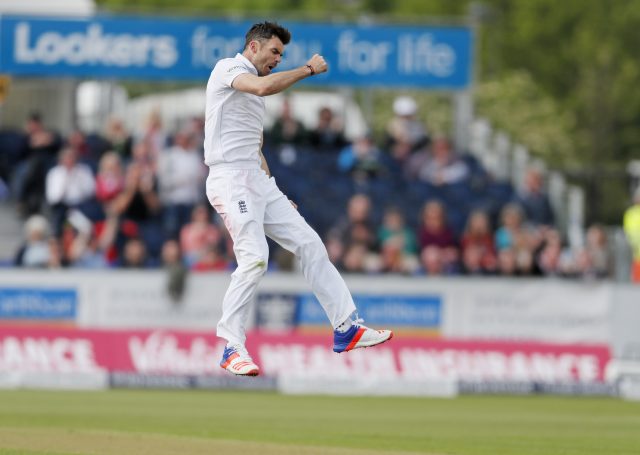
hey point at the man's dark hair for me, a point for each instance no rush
(266, 30)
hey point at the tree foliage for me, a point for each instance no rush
(518, 106)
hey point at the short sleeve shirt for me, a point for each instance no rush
(234, 119)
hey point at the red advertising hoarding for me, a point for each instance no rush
(197, 353)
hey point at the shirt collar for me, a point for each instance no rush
(247, 62)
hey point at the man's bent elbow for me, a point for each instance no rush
(266, 90)
(263, 91)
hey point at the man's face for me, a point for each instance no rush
(266, 54)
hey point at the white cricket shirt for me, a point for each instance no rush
(234, 119)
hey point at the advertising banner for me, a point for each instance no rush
(557, 311)
(286, 311)
(32, 304)
(187, 49)
(58, 350)
(131, 300)
(299, 356)
(528, 310)
(524, 310)
(119, 299)
(395, 310)
(435, 360)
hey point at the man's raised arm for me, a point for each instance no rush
(277, 82)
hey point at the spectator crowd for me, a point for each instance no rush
(406, 202)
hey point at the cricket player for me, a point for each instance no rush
(242, 190)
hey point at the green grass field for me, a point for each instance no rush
(203, 422)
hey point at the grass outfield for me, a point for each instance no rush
(202, 422)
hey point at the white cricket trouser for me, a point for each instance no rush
(252, 206)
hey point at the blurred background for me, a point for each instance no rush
(473, 168)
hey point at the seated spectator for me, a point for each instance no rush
(181, 176)
(110, 178)
(597, 249)
(472, 261)
(287, 129)
(211, 260)
(361, 159)
(359, 259)
(120, 139)
(139, 200)
(439, 165)
(405, 133)
(534, 201)
(590, 261)
(522, 241)
(394, 257)
(35, 252)
(362, 232)
(432, 261)
(329, 132)
(516, 262)
(511, 225)
(138, 206)
(69, 185)
(478, 250)
(134, 255)
(434, 232)
(41, 140)
(357, 225)
(394, 226)
(28, 182)
(552, 259)
(581, 266)
(199, 235)
(91, 244)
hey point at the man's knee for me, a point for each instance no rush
(252, 269)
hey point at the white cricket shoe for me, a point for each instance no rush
(237, 360)
(359, 336)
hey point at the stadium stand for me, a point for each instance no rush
(320, 179)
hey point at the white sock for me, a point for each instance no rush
(346, 325)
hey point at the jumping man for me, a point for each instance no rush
(242, 190)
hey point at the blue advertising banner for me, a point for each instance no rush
(38, 304)
(422, 311)
(187, 49)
